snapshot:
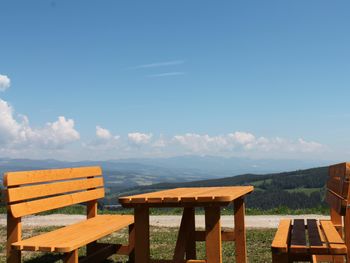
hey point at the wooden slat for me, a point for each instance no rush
(37, 206)
(189, 195)
(281, 239)
(317, 241)
(340, 170)
(314, 236)
(298, 238)
(334, 240)
(40, 176)
(42, 190)
(74, 236)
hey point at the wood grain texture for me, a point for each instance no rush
(142, 244)
(191, 238)
(14, 234)
(182, 238)
(71, 257)
(71, 237)
(40, 176)
(334, 240)
(189, 195)
(37, 206)
(240, 231)
(213, 247)
(42, 190)
(280, 242)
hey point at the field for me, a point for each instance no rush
(162, 245)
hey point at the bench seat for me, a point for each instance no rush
(74, 236)
(301, 239)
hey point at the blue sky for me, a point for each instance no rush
(262, 79)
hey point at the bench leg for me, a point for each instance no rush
(71, 257)
(132, 243)
(14, 233)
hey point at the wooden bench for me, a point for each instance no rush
(323, 240)
(31, 192)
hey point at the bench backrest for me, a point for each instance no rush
(31, 192)
(337, 195)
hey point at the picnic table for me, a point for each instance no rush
(211, 199)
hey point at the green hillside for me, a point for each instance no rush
(301, 189)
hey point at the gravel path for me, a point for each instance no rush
(263, 221)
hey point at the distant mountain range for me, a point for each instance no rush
(301, 188)
(126, 173)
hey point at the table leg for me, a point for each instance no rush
(191, 240)
(213, 235)
(142, 244)
(186, 237)
(240, 233)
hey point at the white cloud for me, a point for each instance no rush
(242, 137)
(16, 132)
(102, 133)
(5, 82)
(139, 138)
(201, 143)
(159, 64)
(244, 143)
(166, 74)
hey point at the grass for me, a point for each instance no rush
(163, 242)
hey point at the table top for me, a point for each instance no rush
(189, 195)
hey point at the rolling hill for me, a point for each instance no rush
(295, 190)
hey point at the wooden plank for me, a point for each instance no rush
(334, 240)
(14, 233)
(42, 190)
(190, 195)
(74, 236)
(40, 176)
(314, 236)
(142, 244)
(298, 238)
(282, 237)
(37, 206)
(213, 247)
(337, 221)
(340, 170)
(240, 231)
